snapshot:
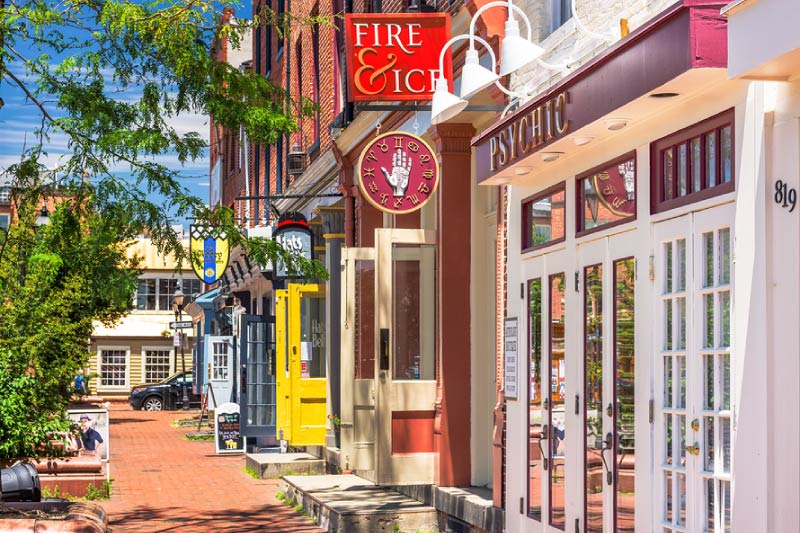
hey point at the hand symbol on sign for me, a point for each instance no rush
(401, 168)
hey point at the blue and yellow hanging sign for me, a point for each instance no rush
(210, 251)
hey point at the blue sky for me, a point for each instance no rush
(19, 119)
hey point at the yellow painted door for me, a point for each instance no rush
(301, 362)
(283, 394)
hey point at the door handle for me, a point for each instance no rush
(545, 431)
(384, 349)
(608, 444)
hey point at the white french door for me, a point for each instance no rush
(693, 269)
(607, 280)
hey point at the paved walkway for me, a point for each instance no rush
(164, 482)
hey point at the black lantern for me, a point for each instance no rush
(296, 161)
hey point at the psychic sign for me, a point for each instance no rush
(395, 56)
(398, 172)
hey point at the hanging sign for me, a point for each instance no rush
(209, 249)
(395, 56)
(398, 172)
(511, 353)
(294, 235)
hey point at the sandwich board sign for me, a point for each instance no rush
(227, 429)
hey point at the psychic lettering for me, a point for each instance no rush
(538, 126)
(396, 56)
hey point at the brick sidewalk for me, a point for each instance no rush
(163, 482)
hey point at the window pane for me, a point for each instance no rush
(669, 174)
(681, 323)
(681, 497)
(668, 324)
(709, 371)
(680, 439)
(724, 256)
(681, 260)
(708, 259)
(146, 295)
(537, 441)
(711, 159)
(668, 496)
(725, 443)
(220, 361)
(725, 319)
(710, 506)
(725, 370)
(668, 444)
(668, 381)
(708, 433)
(725, 154)
(557, 373)
(365, 319)
(668, 267)
(681, 360)
(708, 305)
(725, 502)
(681, 163)
(697, 164)
(609, 195)
(545, 220)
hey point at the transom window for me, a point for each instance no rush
(155, 294)
(607, 194)
(544, 218)
(113, 368)
(157, 364)
(693, 164)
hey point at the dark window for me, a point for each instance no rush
(315, 77)
(281, 9)
(562, 12)
(693, 164)
(279, 166)
(544, 218)
(268, 32)
(258, 43)
(267, 171)
(256, 177)
(607, 194)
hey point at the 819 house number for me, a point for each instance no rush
(785, 196)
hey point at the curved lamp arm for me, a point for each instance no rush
(582, 27)
(462, 37)
(511, 9)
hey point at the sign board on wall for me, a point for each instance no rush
(294, 235)
(227, 429)
(395, 56)
(210, 251)
(398, 172)
(511, 353)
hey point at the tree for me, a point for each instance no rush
(109, 76)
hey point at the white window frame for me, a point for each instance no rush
(110, 388)
(159, 348)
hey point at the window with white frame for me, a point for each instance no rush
(156, 293)
(157, 364)
(219, 360)
(113, 363)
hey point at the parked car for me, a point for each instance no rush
(167, 394)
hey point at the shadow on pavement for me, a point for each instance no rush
(266, 519)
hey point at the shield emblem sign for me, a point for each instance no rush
(210, 251)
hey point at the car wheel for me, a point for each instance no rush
(153, 403)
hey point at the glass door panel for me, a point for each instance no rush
(595, 472)
(413, 300)
(624, 379)
(557, 395)
(537, 428)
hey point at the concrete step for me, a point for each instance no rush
(276, 465)
(350, 504)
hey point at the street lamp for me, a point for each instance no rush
(177, 306)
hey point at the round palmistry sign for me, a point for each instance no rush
(398, 172)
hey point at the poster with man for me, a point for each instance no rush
(94, 432)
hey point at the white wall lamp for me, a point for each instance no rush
(516, 52)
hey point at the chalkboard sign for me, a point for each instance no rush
(227, 429)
